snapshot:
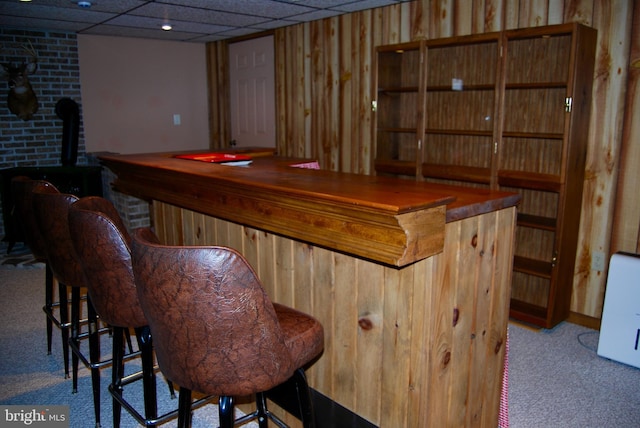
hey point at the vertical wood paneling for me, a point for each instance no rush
(440, 18)
(626, 232)
(463, 17)
(304, 278)
(396, 361)
(307, 104)
(210, 231)
(249, 245)
(370, 306)
(533, 13)
(391, 26)
(218, 84)
(417, 346)
(501, 249)
(332, 69)
(322, 292)
(484, 293)
(511, 14)
(493, 17)
(222, 233)
(283, 281)
(418, 394)
(190, 227)
(345, 93)
(555, 13)
(345, 336)
(419, 13)
(365, 37)
(607, 111)
(463, 318)
(318, 106)
(579, 11)
(442, 319)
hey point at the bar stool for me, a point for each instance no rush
(51, 211)
(216, 331)
(21, 189)
(102, 244)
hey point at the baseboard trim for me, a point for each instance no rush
(584, 320)
(329, 414)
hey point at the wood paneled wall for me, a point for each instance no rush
(626, 232)
(324, 72)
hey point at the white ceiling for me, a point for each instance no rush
(192, 20)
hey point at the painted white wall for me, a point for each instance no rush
(132, 88)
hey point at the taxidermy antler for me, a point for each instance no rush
(21, 100)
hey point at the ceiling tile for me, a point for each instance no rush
(198, 21)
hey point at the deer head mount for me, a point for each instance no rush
(21, 100)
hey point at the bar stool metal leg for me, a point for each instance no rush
(64, 325)
(305, 403)
(184, 409)
(94, 357)
(145, 345)
(117, 373)
(262, 415)
(225, 412)
(75, 334)
(48, 304)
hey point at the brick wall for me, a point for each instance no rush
(134, 212)
(38, 142)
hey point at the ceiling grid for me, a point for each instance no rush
(198, 21)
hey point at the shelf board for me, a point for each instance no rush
(465, 87)
(397, 89)
(528, 313)
(471, 132)
(535, 85)
(390, 166)
(537, 222)
(529, 180)
(399, 130)
(534, 135)
(457, 172)
(533, 267)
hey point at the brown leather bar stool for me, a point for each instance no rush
(216, 331)
(21, 189)
(51, 211)
(102, 244)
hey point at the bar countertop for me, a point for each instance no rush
(389, 220)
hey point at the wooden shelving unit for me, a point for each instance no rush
(507, 110)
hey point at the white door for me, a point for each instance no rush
(252, 85)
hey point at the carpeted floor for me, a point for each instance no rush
(19, 257)
(555, 377)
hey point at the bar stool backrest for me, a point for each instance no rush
(214, 328)
(52, 212)
(21, 191)
(102, 243)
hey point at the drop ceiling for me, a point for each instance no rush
(192, 20)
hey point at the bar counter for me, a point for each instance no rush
(410, 280)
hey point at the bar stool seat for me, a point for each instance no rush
(216, 331)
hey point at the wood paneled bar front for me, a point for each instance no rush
(410, 280)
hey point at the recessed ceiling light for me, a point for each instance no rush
(166, 27)
(84, 4)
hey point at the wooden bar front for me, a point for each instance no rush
(410, 339)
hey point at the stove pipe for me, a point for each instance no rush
(69, 112)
